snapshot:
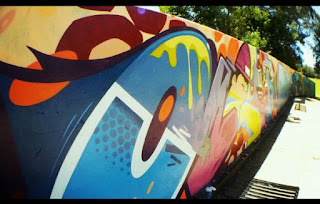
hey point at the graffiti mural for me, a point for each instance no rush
(123, 102)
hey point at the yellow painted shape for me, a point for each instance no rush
(190, 101)
(150, 187)
(33, 27)
(252, 118)
(253, 57)
(109, 48)
(246, 113)
(46, 11)
(317, 87)
(191, 43)
(232, 105)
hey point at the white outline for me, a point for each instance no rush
(184, 133)
(138, 166)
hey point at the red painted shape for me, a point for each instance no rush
(176, 23)
(86, 33)
(157, 127)
(147, 21)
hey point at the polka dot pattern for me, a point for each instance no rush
(116, 134)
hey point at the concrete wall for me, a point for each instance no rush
(123, 102)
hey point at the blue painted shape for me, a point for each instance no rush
(103, 170)
(148, 78)
(38, 129)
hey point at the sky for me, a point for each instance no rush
(308, 58)
(153, 8)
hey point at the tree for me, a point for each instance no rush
(273, 29)
(316, 48)
(308, 71)
(227, 19)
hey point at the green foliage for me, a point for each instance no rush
(273, 29)
(316, 48)
(308, 71)
(181, 11)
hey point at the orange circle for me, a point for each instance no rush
(166, 108)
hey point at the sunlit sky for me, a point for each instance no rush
(308, 58)
(153, 8)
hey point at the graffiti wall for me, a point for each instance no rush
(123, 102)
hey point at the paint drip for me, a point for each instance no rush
(191, 43)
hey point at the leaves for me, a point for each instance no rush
(316, 48)
(273, 29)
